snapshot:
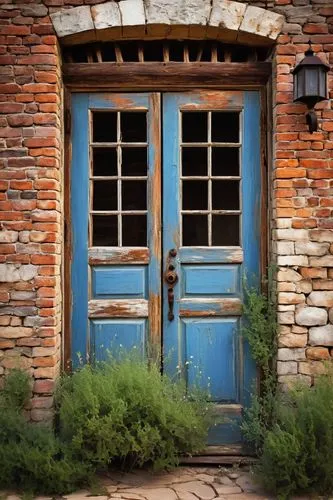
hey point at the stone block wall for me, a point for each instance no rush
(31, 203)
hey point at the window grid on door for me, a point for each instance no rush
(118, 178)
(213, 137)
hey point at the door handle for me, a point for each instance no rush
(171, 279)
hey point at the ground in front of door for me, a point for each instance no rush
(184, 483)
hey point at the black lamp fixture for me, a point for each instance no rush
(310, 85)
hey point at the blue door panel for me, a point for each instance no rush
(210, 354)
(210, 280)
(119, 281)
(116, 337)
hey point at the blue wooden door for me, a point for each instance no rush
(116, 219)
(163, 267)
(211, 235)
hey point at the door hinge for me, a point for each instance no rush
(68, 121)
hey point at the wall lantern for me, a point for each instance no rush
(310, 85)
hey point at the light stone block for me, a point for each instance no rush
(321, 335)
(286, 367)
(286, 318)
(285, 248)
(107, 20)
(286, 354)
(261, 22)
(16, 272)
(311, 248)
(304, 286)
(293, 340)
(133, 18)
(311, 367)
(311, 316)
(321, 235)
(323, 299)
(72, 21)
(292, 234)
(325, 261)
(288, 275)
(283, 223)
(293, 260)
(176, 18)
(227, 16)
(290, 298)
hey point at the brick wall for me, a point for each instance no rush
(30, 198)
(31, 175)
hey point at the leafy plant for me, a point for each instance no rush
(297, 452)
(126, 412)
(31, 457)
(123, 412)
(260, 330)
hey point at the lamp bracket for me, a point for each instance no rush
(312, 121)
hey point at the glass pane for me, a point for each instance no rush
(104, 161)
(105, 231)
(225, 126)
(134, 230)
(195, 126)
(225, 195)
(134, 195)
(195, 195)
(133, 126)
(134, 161)
(194, 161)
(104, 126)
(225, 161)
(105, 195)
(225, 231)
(195, 230)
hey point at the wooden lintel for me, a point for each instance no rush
(158, 75)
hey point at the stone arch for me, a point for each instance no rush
(224, 20)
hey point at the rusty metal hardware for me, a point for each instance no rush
(171, 300)
(171, 277)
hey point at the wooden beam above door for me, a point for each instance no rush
(159, 76)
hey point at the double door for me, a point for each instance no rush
(165, 218)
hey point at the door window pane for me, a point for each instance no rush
(195, 195)
(225, 230)
(195, 230)
(104, 126)
(194, 161)
(105, 195)
(104, 162)
(225, 161)
(134, 230)
(134, 195)
(225, 195)
(133, 126)
(225, 126)
(105, 230)
(195, 126)
(134, 161)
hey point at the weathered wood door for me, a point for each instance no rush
(165, 209)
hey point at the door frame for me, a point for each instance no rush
(174, 82)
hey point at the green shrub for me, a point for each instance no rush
(127, 413)
(31, 457)
(297, 452)
(120, 413)
(260, 330)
